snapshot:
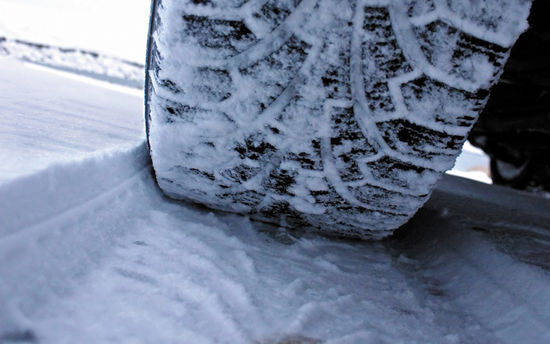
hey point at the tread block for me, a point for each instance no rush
(330, 198)
(274, 12)
(471, 51)
(241, 173)
(394, 172)
(198, 174)
(417, 8)
(457, 53)
(171, 86)
(435, 102)
(249, 198)
(336, 76)
(272, 74)
(219, 3)
(414, 140)
(380, 45)
(392, 201)
(382, 59)
(378, 96)
(280, 180)
(213, 85)
(307, 161)
(348, 143)
(183, 113)
(254, 152)
(498, 16)
(230, 36)
(255, 147)
(282, 211)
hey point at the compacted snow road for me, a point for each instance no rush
(91, 251)
(47, 117)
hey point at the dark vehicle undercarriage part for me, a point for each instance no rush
(514, 128)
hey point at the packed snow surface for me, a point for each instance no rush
(91, 251)
(91, 63)
(48, 117)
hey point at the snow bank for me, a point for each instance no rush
(43, 248)
(92, 64)
(53, 191)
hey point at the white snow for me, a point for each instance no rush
(75, 60)
(479, 176)
(48, 117)
(92, 253)
(472, 163)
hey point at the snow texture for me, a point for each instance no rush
(93, 64)
(303, 115)
(91, 251)
(59, 119)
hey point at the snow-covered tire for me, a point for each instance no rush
(331, 114)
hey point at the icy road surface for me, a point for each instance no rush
(91, 252)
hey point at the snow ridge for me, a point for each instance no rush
(83, 62)
(50, 192)
(37, 214)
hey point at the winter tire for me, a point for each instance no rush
(330, 114)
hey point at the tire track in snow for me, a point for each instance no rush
(100, 242)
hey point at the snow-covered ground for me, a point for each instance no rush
(92, 253)
(75, 60)
(48, 116)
